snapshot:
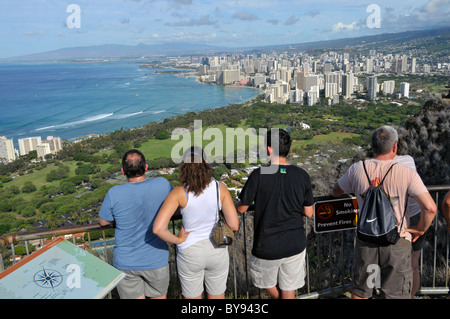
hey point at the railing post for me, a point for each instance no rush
(2, 265)
(245, 252)
(308, 284)
(26, 247)
(234, 270)
(13, 252)
(89, 240)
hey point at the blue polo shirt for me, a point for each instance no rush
(133, 206)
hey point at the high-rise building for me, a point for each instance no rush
(372, 88)
(312, 97)
(388, 87)
(310, 81)
(404, 89)
(301, 80)
(54, 142)
(330, 89)
(42, 150)
(369, 65)
(7, 153)
(228, 76)
(296, 96)
(327, 67)
(347, 85)
(28, 144)
(404, 64)
(334, 77)
(413, 65)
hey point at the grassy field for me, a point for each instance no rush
(212, 138)
(325, 139)
(162, 148)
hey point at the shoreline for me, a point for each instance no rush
(187, 73)
(242, 103)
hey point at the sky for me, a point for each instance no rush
(34, 26)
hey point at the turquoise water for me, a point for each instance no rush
(72, 100)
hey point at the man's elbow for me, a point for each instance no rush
(104, 222)
(242, 208)
(431, 209)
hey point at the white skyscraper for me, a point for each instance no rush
(404, 89)
(369, 65)
(330, 89)
(310, 81)
(388, 87)
(347, 85)
(413, 65)
(372, 88)
(7, 153)
(28, 144)
(312, 97)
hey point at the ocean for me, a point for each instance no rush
(75, 99)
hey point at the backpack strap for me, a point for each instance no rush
(368, 178)
(218, 199)
(387, 173)
(404, 213)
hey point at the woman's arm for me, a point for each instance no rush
(228, 208)
(165, 213)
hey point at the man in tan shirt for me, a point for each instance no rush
(387, 267)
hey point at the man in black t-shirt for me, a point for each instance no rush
(282, 198)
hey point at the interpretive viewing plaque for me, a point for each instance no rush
(59, 270)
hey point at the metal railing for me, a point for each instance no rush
(329, 256)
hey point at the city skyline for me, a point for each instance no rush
(44, 25)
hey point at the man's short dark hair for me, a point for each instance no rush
(133, 163)
(284, 141)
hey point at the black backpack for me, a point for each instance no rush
(376, 218)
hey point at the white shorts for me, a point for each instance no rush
(203, 263)
(289, 273)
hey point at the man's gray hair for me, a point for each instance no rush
(383, 139)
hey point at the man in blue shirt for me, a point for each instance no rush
(140, 254)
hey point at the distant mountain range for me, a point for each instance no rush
(369, 41)
(107, 51)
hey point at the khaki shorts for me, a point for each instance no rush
(203, 263)
(151, 283)
(288, 272)
(387, 268)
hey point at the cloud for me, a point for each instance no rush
(185, 2)
(313, 13)
(273, 21)
(204, 20)
(245, 16)
(434, 13)
(341, 26)
(33, 33)
(291, 20)
(435, 6)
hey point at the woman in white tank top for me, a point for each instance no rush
(199, 261)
